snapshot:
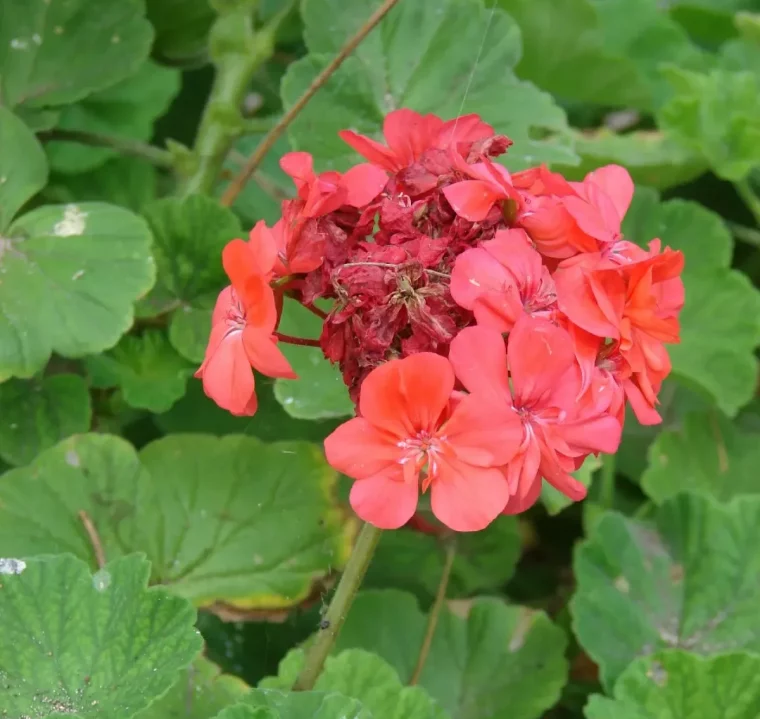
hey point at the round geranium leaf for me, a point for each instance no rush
(69, 278)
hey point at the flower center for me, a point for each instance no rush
(423, 449)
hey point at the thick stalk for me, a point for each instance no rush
(237, 50)
(435, 611)
(345, 592)
(238, 182)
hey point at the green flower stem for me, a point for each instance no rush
(237, 50)
(239, 181)
(745, 234)
(435, 611)
(607, 489)
(750, 199)
(345, 593)
(122, 145)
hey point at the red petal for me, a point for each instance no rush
(224, 302)
(408, 395)
(476, 272)
(371, 150)
(300, 167)
(616, 183)
(363, 184)
(360, 450)
(539, 354)
(227, 377)
(577, 300)
(484, 430)
(264, 354)
(518, 504)
(479, 358)
(258, 300)
(238, 262)
(472, 199)
(467, 498)
(263, 247)
(385, 500)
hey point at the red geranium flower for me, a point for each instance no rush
(409, 135)
(242, 327)
(503, 279)
(473, 199)
(557, 432)
(409, 423)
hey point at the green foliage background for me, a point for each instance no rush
(121, 124)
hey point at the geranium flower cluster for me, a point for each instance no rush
(490, 326)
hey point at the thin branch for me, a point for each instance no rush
(122, 145)
(745, 234)
(750, 199)
(289, 339)
(92, 533)
(238, 183)
(435, 611)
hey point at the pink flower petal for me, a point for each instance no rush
(359, 450)
(472, 199)
(385, 500)
(363, 184)
(540, 355)
(484, 430)
(408, 395)
(264, 354)
(467, 498)
(479, 358)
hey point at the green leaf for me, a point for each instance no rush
(70, 275)
(680, 685)
(450, 58)
(411, 560)
(89, 646)
(676, 401)
(200, 693)
(262, 196)
(717, 114)
(579, 66)
(360, 675)
(39, 413)
(651, 157)
(181, 27)
(223, 520)
(319, 392)
(196, 413)
(272, 704)
(554, 500)
(639, 30)
(54, 53)
(720, 323)
(126, 181)
(189, 235)
(708, 454)
(150, 374)
(23, 168)
(709, 21)
(189, 330)
(688, 580)
(502, 662)
(607, 53)
(125, 110)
